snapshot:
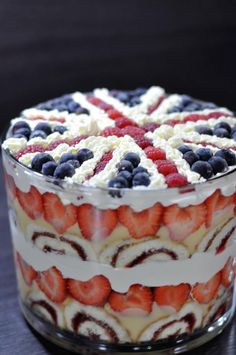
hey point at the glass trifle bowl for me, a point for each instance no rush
(106, 267)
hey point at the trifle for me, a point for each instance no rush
(122, 214)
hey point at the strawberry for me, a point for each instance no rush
(52, 284)
(228, 273)
(93, 292)
(205, 292)
(141, 224)
(96, 224)
(11, 187)
(137, 298)
(154, 153)
(217, 202)
(28, 273)
(59, 216)
(182, 222)
(31, 202)
(173, 296)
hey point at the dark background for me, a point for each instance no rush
(49, 47)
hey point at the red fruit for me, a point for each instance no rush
(59, 216)
(137, 298)
(166, 167)
(205, 292)
(155, 153)
(182, 222)
(154, 106)
(122, 122)
(10, 183)
(217, 202)
(173, 296)
(93, 292)
(55, 144)
(104, 106)
(141, 224)
(94, 100)
(176, 180)
(96, 224)
(113, 113)
(228, 273)
(31, 202)
(52, 284)
(36, 148)
(112, 131)
(132, 131)
(28, 273)
(143, 142)
(76, 140)
(103, 162)
(150, 127)
(193, 118)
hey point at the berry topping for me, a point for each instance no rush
(188, 104)
(127, 176)
(55, 213)
(118, 182)
(224, 125)
(23, 132)
(83, 155)
(20, 124)
(141, 224)
(125, 165)
(49, 168)
(191, 157)
(228, 155)
(166, 167)
(150, 127)
(60, 129)
(218, 164)
(138, 298)
(204, 130)
(155, 153)
(38, 161)
(141, 179)
(222, 133)
(63, 103)
(43, 126)
(74, 163)
(52, 284)
(122, 122)
(205, 292)
(96, 224)
(64, 170)
(93, 292)
(28, 273)
(31, 202)
(204, 153)
(139, 169)
(172, 296)
(184, 149)
(176, 180)
(67, 156)
(38, 133)
(203, 168)
(133, 158)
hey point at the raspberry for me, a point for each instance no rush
(94, 100)
(193, 118)
(143, 142)
(31, 149)
(132, 131)
(176, 180)
(112, 131)
(104, 106)
(103, 162)
(150, 127)
(172, 122)
(166, 167)
(113, 114)
(155, 153)
(76, 140)
(217, 114)
(122, 122)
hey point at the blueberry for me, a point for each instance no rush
(224, 125)
(46, 106)
(118, 182)
(64, 170)
(203, 168)
(74, 162)
(233, 129)
(222, 133)
(140, 91)
(84, 154)
(49, 168)
(43, 126)
(122, 96)
(141, 179)
(204, 130)
(139, 169)
(177, 108)
(40, 159)
(193, 106)
(218, 164)
(66, 156)
(134, 101)
(83, 110)
(61, 107)
(127, 176)
(18, 135)
(38, 133)
(125, 165)
(72, 106)
(23, 131)
(204, 153)
(191, 157)
(133, 158)
(185, 99)
(184, 148)
(233, 136)
(60, 129)
(20, 124)
(208, 105)
(228, 155)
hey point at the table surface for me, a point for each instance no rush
(16, 337)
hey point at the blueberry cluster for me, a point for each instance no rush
(130, 98)
(203, 162)
(21, 129)
(221, 129)
(63, 103)
(45, 164)
(130, 173)
(188, 104)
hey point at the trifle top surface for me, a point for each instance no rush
(139, 139)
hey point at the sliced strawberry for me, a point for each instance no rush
(93, 292)
(137, 298)
(11, 187)
(173, 296)
(228, 273)
(182, 222)
(31, 202)
(28, 273)
(205, 292)
(59, 216)
(52, 284)
(96, 224)
(141, 224)
(217, 202)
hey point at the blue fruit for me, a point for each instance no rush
(203, 168)
(125, 165)
(204, 130)
(127, 176)
(18, 135)
(184, 148)
(221, 132)
(118, 182)
(218, 164)
(43, 126)
(67, 156)
(60, 129)
(40, 159)
(49, 168)
(20, 124)
(224, 125)
(192, 106)
(133, 158)
(38, 133)
(139, 169)
(228, 155)
(72, 106)
(234, 135)
(81, 110)
(23, 131)
(64, 170)
(84, 154)
(191, 157)
(204, 153)
(74, 162)
(141, 179)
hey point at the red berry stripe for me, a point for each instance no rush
(204, 144)
(53, 119)
(103, 162)
(197, 117)
(154, 106)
